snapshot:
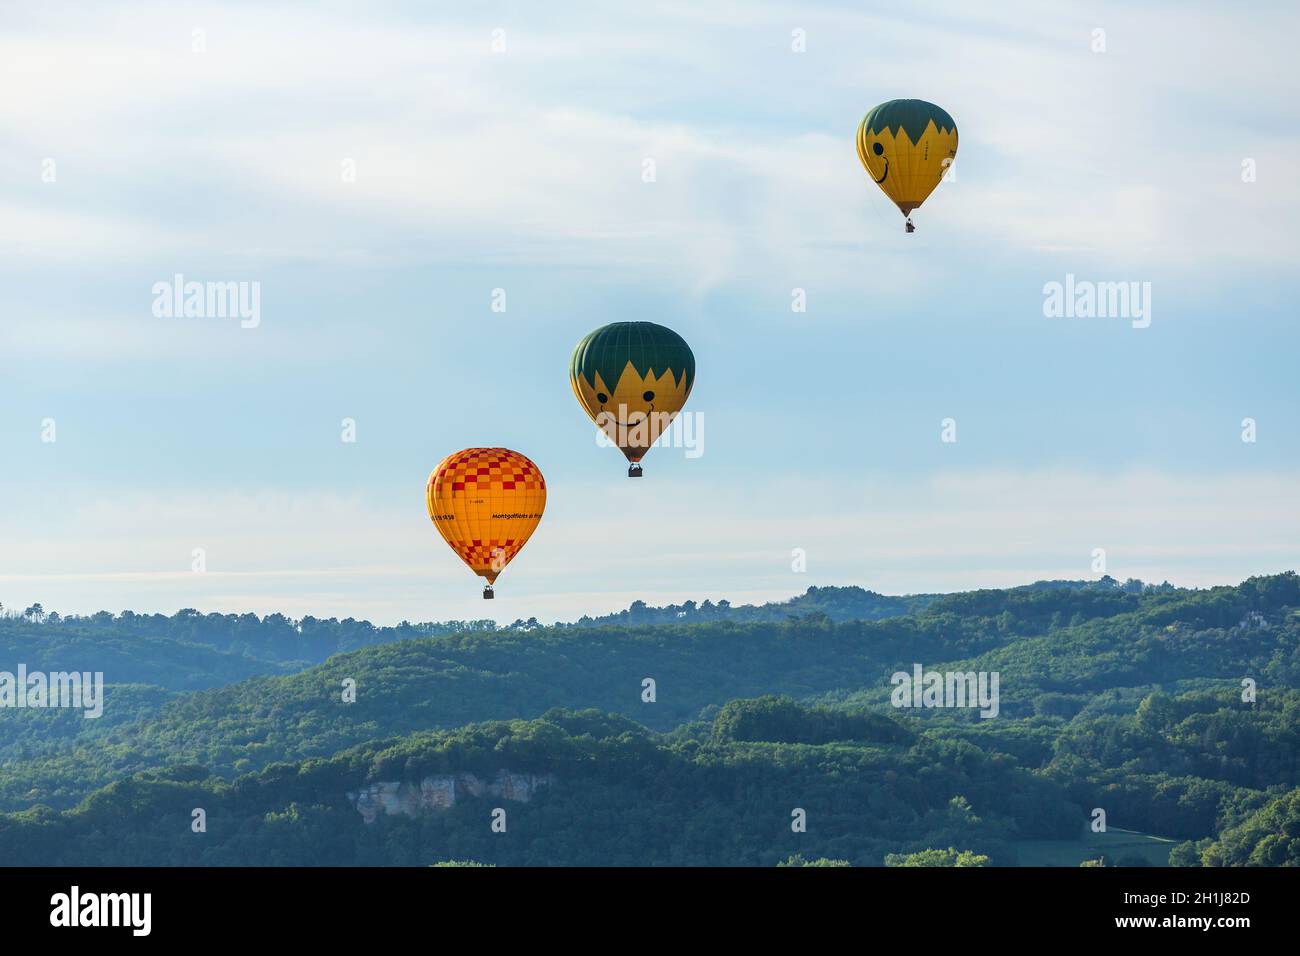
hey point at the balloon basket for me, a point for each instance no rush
(488, 593)
(634, 471)
(909, 227)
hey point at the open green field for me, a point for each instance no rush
(1115, 845)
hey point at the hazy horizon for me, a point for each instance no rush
(504, 620)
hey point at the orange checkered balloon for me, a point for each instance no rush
(486, 503)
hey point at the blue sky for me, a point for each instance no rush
(521, 169)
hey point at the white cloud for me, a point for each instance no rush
(536, 152)
(226, 164)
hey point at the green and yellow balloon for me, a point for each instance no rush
(906, 147)
(632, 378)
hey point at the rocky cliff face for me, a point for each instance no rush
(392, 797)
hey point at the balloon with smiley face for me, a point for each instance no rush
(907, 146)
(632, 378)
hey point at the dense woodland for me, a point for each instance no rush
(1118, 696)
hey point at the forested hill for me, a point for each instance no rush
(836, 603)
(1061, 653)
(680, 739)
(585, 788)
(136, 649)
(277, 639)
(191, 651)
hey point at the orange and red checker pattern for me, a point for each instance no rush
(486, 503)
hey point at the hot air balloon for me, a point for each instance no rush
(632, 378)
(907, 146)
(486, 503)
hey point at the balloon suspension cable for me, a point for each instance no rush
(634, 471)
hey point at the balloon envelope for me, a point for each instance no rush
(632, 378)
(486, 503)
(906, 147)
